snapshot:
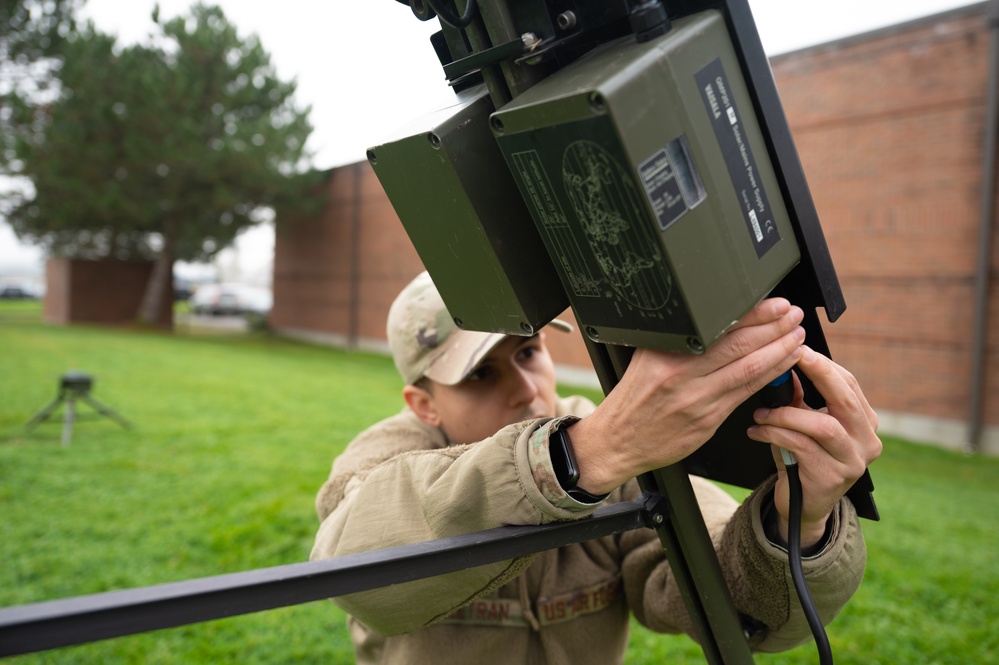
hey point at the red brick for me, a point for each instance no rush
(106, 291)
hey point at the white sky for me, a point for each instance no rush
(366, 67)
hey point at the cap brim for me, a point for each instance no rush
(559, 324)
(465, 349)
(460, 354)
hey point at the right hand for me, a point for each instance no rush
(667, 405)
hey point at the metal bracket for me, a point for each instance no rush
(655, 509)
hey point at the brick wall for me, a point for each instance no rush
(108, 292)
(335, 274)
(890, 130)
(889, 127)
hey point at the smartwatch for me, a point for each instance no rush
(564, 462)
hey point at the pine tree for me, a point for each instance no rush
(163, 150)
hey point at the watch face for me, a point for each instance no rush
(563, 461)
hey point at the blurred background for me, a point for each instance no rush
(186, 213)
(887, 103)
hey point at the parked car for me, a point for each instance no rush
(16, 292)
(183, 289)
(230, 299)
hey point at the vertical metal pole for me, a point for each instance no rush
(500, 28)
(979, 349)
(685, 540)
(478, 38)
(67, 423)
(696, 553)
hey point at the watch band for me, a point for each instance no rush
(564, 461)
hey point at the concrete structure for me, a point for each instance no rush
(891, 127)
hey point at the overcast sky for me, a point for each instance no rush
(366, 66)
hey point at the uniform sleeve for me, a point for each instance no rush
(427, 494)
(756, 571)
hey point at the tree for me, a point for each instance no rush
(32, 28)
(31, 34)
(164, 150)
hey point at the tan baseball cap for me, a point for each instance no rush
(426, 342)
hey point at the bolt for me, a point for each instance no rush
(566, 21)
(597, 102)
(695, 345)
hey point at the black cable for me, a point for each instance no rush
(794, 557)
(778, 393)
(445, 14)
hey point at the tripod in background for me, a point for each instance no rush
(74, 386)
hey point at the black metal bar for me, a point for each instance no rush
(59, 623)
(669, 538)
(480, 59)
(685, 540)
(695, 549)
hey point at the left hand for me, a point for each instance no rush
(834, 445)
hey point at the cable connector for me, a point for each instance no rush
(648, 20)
(779, 392)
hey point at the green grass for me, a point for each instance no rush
(234, 435)
(20, 310)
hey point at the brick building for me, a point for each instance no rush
(106, 291)
(891, 128)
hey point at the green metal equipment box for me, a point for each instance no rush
(646, 173)
(448, 182)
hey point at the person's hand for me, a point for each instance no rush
(667, 405)
(834, 445)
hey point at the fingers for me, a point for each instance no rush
(689, 396)
(830, 460)
(799, 392)
(845, 401)
(745, 359)
(755, 356)
(811, 436)
(766, 311)
(854, 385)
(834, 445)
(768, 322)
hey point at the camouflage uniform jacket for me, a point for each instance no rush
(400, 482)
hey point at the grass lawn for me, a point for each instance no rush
(233, 437)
